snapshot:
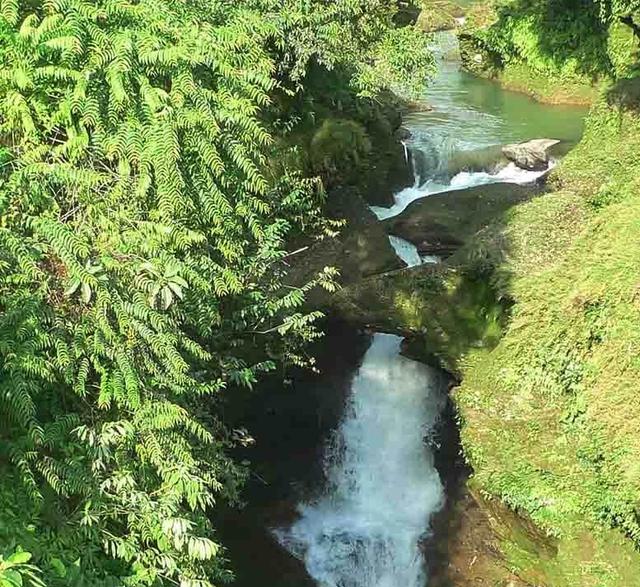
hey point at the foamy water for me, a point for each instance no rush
(407, 251)
(382, 487)
(466, 179)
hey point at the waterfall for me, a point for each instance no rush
(382, 487)
(464, 179)
(407, 251)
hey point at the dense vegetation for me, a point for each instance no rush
(146, 202)
(554, 50)
(550, 412)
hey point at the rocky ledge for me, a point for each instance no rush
(440, 224)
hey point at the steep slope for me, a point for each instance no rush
(550, 415)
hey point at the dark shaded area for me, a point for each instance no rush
(362, 248)
(290, 421)
(334, 131)
(625, 94)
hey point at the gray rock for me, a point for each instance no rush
(532, 155)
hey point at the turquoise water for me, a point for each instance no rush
(457, 142)
(471, 113)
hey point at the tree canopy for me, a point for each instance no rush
(143, 244)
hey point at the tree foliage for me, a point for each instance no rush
(142, 255)
(567, 38)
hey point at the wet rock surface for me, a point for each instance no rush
(441, 223)
(361, 250)
(533, 155)
(466, 546)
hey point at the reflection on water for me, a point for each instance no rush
(457, 143)
(470, 113)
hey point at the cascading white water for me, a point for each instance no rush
(407, 251)
(468, 115)
(465, 179)
(382, 486)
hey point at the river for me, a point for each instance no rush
(344, 484)
(457, 143)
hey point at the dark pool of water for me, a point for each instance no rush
(290, 419)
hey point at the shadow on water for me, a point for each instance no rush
(290, 422)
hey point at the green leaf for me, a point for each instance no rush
(20, 558)
(73, 287)
(59, 567)
(176, 289)
(167, 298)
(85, 293)
(13, 578)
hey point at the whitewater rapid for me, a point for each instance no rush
(465, 179)
(382, 487)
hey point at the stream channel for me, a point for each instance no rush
(347, 464)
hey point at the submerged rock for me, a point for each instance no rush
(533, 155)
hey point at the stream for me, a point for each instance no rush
(346, 470)
(457, 143)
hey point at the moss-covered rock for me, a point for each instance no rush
(339, 150)
(445, 310)
(439, 15)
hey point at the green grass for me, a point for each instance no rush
(554, 53)
(552, 414)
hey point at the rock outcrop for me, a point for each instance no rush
(361, 250)
(533, 155)
(441, 223)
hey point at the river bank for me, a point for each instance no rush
(526, 47)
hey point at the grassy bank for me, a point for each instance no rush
(550, 415)
(558, 55)
(538, 316)
(519, 77)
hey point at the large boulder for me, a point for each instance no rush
(533, 155)
(489, 159)
(441, 223)
(446, 310)
(439, 15)
(362, 249)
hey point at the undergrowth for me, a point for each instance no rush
(550, 415)
(555, 51)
